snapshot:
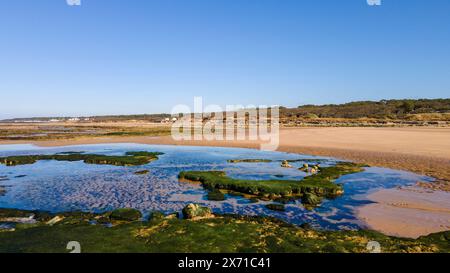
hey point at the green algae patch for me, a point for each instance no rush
(320, 185)
(129, 159)
(216, 195)
(249, 160)
(220, 234)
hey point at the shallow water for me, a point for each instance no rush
(64, 186)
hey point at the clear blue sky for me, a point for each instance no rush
(136, 56)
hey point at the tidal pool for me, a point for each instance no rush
(59, 186)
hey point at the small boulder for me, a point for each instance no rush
(276, 207)
(156, 215)
(143, 172)
(311, 199)
(285, 164)
(171, 216)
(195, 211)
(55, 220)
(126, 214)
(216, 195)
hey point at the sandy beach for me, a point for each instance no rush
(406, 212)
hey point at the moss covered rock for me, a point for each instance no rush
(216, 195)
(311, 199)
(126, 214)
(276, 207)
(195, 211)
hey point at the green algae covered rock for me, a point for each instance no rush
(276, 207)
(216, 195)
(311, 199)
(129, 159)
(143, 172)
(195, 211)
(126, 214)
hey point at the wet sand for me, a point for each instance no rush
(407, 212)
(423, 150)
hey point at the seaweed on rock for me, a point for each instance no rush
(321, 184)
(129, 159)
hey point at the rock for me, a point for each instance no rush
(285, 164)
(126, 214)
(55, 220)
(306, 226)
(305, 168)
(276, 207)
(216, 195)
(21, 220)
(174, 215)
(156, 215)
(311, 199)
(195, 211)
(142, 172)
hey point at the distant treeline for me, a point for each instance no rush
(370, 109)
(384, 109)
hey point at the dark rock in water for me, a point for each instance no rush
(216, 195)
(254, 200)
(142, 172)
(237, 194)
(253, 160)
(195, 211)
(311, 199)
(20, 176)
(126, 214)
(306, 226)
(2, 191)
(156, 215)
(285, 199)
(276, 207)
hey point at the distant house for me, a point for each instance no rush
(168, 120)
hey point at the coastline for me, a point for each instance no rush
(419, 150)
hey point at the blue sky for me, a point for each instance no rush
(131, 57)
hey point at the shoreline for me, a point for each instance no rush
(422, 210)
